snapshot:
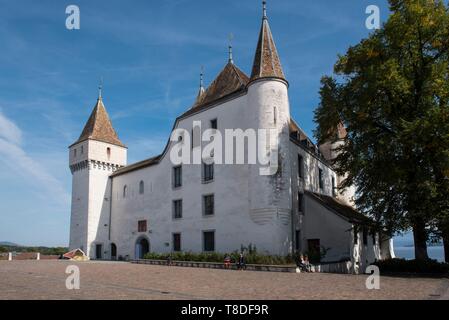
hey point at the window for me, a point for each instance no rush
(300, 202)
(98, 251)
(320, 178)
(74, 152)
(300, 166)
(176, 242)
(356, 234)
(177, 209)
(141, 187)
(275, 115)
(365, 236)
(209, 241)
(298, 240)
(208, 172)
(142, 226)
(208, 205)
(374, 238)
(108, 151)
(82, 149)
(177, 177)
(214, 124)
(334, 192)
(125, 191)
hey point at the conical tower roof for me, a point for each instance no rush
(99, 126)
(266, 61)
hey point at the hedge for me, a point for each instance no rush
(250, 258)
(413, 266)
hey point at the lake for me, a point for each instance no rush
(408, 253)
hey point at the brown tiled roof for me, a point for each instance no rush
(341, 208)
(99, 127)
(266, 61)
(228, 81)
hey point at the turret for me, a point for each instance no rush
(96, 154)
(329, 150)
(268, 104)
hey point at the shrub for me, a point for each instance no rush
(250, 258)
(413, 266)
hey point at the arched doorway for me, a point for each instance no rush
(142, 248)
(113, 251)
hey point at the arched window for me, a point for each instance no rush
(108, 151)
(141, 187)
(125, 191)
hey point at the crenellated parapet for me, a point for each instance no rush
(94, 164)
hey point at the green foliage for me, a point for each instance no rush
(3, 249)
(412, 266)
(42, 250)
(251, 257)
(391, 92)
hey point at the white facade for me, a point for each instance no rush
(275, 213)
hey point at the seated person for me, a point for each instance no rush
(227, 261)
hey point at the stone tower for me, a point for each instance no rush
(268, 105)
(96, 154)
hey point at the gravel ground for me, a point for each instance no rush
(121, 280)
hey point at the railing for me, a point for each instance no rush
(344, 267)
(217, 265)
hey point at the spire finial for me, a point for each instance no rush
(264, 6)
(201, 77)
(231, 37)
(100, 88)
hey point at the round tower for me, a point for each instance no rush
(268, 108)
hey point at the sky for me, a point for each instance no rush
(149, 54)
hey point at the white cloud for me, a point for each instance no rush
(23, 164)
(9, 131)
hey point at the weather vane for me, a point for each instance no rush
(230, 38)
(100, 87)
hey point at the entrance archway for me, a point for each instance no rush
(142, 248)
(113, 251)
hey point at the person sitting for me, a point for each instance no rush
(227, 261)
(301, 264)
(307, 264)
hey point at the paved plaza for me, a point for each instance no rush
(122, 280)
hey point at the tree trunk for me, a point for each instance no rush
(420, 239)
(446, 246)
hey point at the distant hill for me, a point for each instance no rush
(9, 244)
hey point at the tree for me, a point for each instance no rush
(391, 91)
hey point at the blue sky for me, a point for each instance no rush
(149, 54)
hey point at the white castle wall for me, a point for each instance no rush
(91, 167)
(242, 216)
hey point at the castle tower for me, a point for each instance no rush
(268, 105)
(330, 151)
(93, 157)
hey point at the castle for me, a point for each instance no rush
(124, 211)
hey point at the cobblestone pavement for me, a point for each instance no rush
(121, 280)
